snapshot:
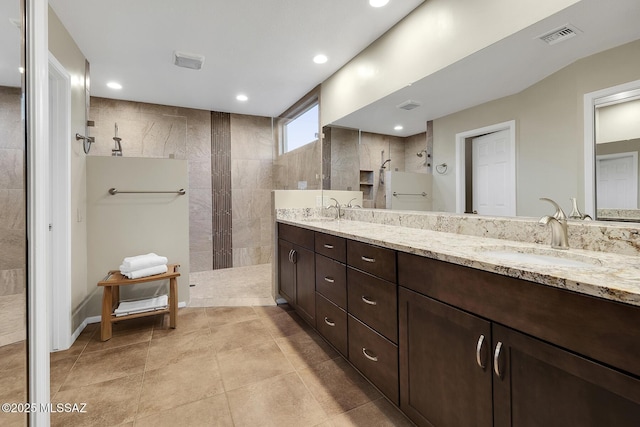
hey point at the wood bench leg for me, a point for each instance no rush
(107, 304)
(173, 302)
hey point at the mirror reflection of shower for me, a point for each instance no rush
(117, 150)
(426, 156)
(382, 166)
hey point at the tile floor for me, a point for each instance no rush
(238, 286)
(222, 366)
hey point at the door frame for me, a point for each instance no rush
(591, 100)
(60, 210)
(461, 155)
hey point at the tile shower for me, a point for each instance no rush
(245, 149)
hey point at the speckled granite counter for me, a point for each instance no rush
(611, 276)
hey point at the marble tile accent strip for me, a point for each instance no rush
(221, 189)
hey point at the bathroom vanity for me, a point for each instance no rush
(455, 335)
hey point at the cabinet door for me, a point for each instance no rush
(286, 272)
(305, 279)
(445, 363)
(542, 385)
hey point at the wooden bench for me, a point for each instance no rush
(111, 298)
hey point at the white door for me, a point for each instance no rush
(617, 181)
(492, 181)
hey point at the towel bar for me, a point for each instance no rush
(114, 191)
(423, 194)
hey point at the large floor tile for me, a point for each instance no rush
(306, 349)
(99, 366)
(236, 335)
(13, 356)
(337, 386)
(379, 413)
(285, 324)
(59, 370)
(108, 403)
(281, 401)
(210, 412)
(173, 349)
(192, 379)
(188, 319)
(252, 363)
(118, 340)
(224, 315)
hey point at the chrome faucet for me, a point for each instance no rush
(337, 207)
(558, 224)
(349, 205)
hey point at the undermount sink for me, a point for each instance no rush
(541, 257)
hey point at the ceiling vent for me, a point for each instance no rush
(409, 105)
(188, 60)
(559, 34)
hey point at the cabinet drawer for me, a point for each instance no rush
(373, 301)
(378, 261)
(332, 246)
(375, 356)
(331, 280)
(297, 235)
(332, 323)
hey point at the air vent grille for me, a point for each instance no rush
(409, 105)
(559, 34)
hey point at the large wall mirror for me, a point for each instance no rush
(540, 88)
(13, 350)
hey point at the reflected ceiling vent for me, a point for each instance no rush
(409, 105)
(188, 60)
(559, 34)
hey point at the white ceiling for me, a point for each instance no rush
(262, 48)
(504, 68)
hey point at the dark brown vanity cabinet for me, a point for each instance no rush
(463, 363)
(296, 270)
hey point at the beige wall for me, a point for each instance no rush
(65, 50)
(436, 34)
(549, 130)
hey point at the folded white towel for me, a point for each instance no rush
(141, 306)
(144, 272)
(139, 262)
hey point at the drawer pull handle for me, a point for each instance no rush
(329, 279)
(479, 357)
(328, 246)
(368, 301)
(291, 255)
(329, 322)
(372, 358)
(496, 360)
(367, 259)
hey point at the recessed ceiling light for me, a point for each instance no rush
(378, 3)
(398, 127)
(242, 97)
(114, 85)
(320, 59)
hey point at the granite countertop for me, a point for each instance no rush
(610, 276)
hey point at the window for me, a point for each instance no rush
(301, 130)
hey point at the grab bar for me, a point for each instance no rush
(423, 194)
(114, 191)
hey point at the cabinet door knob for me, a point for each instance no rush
(329, 279)
(479, 354)
(367, 259)
(328, 246)
(293, 255)
(368, 301)
(366, 354)
(496, 360)
(329, 322)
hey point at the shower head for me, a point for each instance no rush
(385, 162)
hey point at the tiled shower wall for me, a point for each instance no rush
(149, 130)
(12, 219)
